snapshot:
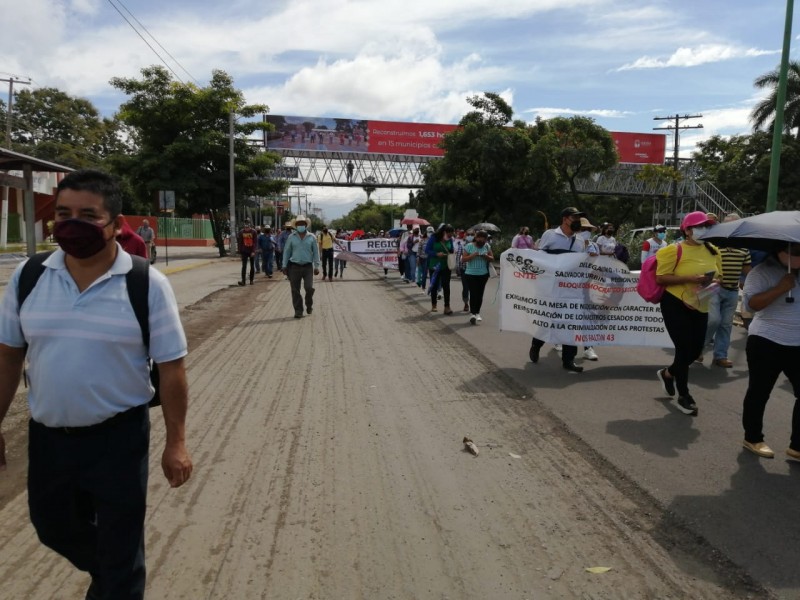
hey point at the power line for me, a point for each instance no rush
(157, 42)
(145, 41)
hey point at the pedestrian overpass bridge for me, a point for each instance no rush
(330, 169)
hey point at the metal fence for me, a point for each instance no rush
(184, 229)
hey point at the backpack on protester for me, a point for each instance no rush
(648, 288)
(137, 281)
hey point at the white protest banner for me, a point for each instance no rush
(576, 299)
(381, 252)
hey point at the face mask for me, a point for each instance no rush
(324, 231)
(696, 231)
(661, 235)
(480, 244)
(575, 225)
(301, 228)
(469, 238)
(584, 235)
(80, 239)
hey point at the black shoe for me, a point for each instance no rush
(667, 383)
(251, 282)
(534, 354)
(572, 367)
(240, 282)
(686, 405)
(298, 315)
(309, 310)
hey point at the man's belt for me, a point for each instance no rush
(97, 427)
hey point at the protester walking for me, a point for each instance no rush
(326, 241)
(656, 242)
(284, 235)
(562, 239)
(148, 235)
(686, 270)
(721, 309)
(440, 246)
(422, 258)
(266, 247)
(246, 242)
(300, 264)
(773, 345)
(469, 237)
(523, 239)
(413, 250)
(338, 263)
(89, 388)
(477, 256)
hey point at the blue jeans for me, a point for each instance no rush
(266, 260)
(720, 321)
(411, 267)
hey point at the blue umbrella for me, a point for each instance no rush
(769, 231)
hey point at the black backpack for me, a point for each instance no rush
(138, 283)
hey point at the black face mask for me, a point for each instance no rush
(480, 244)
(575, 225)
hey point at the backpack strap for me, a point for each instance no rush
(29, 276)
(138, 283)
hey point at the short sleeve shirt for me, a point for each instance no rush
(86, 358)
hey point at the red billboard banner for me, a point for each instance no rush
(640, 148)
(326, 134)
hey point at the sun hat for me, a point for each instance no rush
(300, 218)
(586, 225)
(693, 219)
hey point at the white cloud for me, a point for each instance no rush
(699, 55)
(548, 113)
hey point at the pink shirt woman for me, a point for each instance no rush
(523, 239)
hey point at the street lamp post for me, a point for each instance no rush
(232, 199)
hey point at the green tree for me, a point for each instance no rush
(739, 166)
(52, 125)
(368, 216)
(369, 189)
(763, 114)
(182, 141)
(576, 147)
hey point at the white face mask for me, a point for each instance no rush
(584, 235)
(697, 231)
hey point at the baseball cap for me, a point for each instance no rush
(659, 228)
(430, 229)
(693, 219)
(571, 211)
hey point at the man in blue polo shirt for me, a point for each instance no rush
(300, 263)
(89, 389)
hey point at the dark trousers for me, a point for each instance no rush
(568, 353)
(87, 497)
(252, 259)
(766, 360)
(687, 330)
(401, 265)
(465, 289)
(442, 283)
(301, 274)
(327, 262)
(476, 284)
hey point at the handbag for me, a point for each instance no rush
(492, 271)
(451, 261)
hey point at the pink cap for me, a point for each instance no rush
(693, 219)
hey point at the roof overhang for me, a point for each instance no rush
(14, 161)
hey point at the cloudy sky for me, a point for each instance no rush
(621, 62)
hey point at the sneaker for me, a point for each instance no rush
(793, 454)
(298, 315)
(478, 318)
(760, 449)
(686, 405)
(667, 383)
(590, 354)
(472, 320)
(572, 367)
(434, 309)
(558, 349)
(534, 354)
(240, 282)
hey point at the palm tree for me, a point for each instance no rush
(764, 112)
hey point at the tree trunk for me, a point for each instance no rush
(216, 230)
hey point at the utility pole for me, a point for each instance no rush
(677, 127)
(9, 109)
(777, 132)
